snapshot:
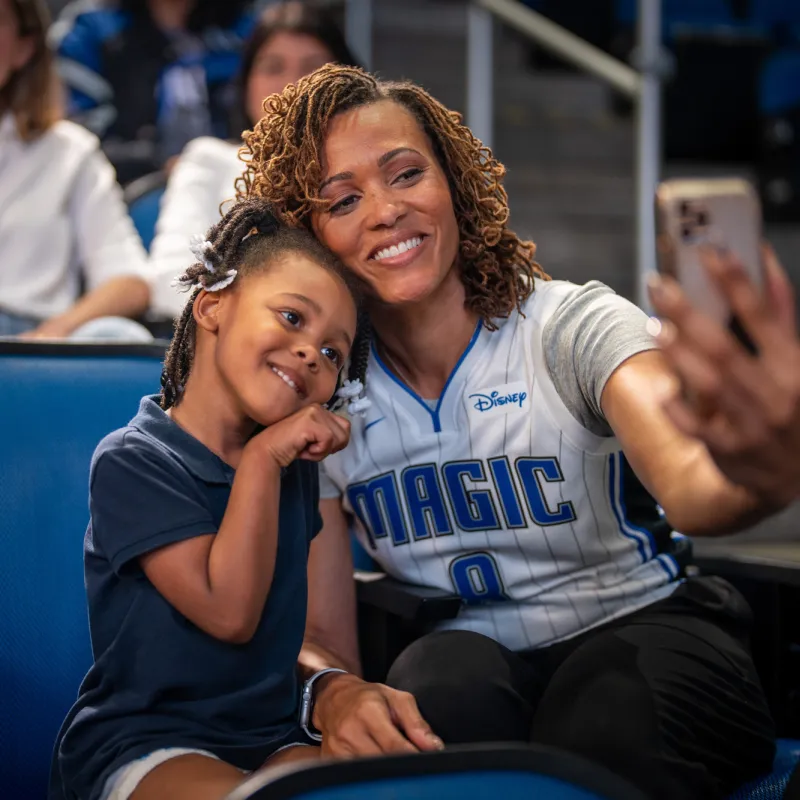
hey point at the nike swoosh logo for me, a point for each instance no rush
(374, 422)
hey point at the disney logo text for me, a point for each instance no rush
(484, 402)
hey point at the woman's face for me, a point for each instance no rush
(15, 50)
(283, 59)
(389, 214)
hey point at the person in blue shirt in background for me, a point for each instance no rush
(203, 510)
(148, 76)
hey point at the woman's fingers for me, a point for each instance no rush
(406, 715)
(779, 290)
(713, 368)
(752, 306)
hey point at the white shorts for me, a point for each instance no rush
(122, 783)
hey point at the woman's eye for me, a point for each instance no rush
(292, 317)
(409, 174)
(332, 354)
(342, 205)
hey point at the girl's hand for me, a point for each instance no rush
(311, 434)
(745, 408)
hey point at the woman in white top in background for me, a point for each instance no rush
(70, 254)
(290, 40)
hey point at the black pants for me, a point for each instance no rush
(666, 696)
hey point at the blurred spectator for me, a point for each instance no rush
(291, 40)
(63, 224)
(148, 76)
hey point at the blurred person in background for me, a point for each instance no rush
(63, 225)
(290, 40)
(148, 76)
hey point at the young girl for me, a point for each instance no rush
(202, 512)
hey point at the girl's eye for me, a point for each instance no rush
(332, 354)
(292, 317)
(342, 205)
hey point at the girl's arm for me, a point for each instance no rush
(678, 471)
(221, 582)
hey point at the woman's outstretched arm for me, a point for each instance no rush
(678, 470)
(748, 406)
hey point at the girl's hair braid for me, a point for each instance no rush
(359, 353)
(247, 239)
(283, 157)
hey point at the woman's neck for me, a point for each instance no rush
(423, 342)
(208, 413)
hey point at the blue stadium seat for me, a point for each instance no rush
(57, 401)
(779, 83)
(773, 786)
(477, 772)
(143, 198)
(780, 16)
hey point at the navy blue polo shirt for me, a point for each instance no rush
(158, 680)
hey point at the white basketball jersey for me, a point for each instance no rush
(497, 493)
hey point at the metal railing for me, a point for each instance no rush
(642, 85)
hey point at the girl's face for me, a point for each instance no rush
(283, 59)
(390, 215)
(282, 336)
(15, 50)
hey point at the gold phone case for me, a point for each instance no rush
(720, 212)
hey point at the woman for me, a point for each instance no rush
(491, 463)
(63, 223)
(291, 40)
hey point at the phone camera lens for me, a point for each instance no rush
(702, 219)
(686, 232)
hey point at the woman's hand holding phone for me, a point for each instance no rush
(745, 407)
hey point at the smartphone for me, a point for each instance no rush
(722, 212)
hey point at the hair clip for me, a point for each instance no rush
(230, 275)
(354, 392)
(200, 248)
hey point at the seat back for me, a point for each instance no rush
(56, 403)
(479, 772)
(143, 197)
(774, 786)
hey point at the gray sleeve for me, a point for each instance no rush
(588, 336)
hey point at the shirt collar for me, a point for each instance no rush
(153, 421)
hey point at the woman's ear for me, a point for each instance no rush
(206, 310)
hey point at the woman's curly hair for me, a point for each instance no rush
(283, 156)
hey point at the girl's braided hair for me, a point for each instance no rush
(247, 239)
(283, 157)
